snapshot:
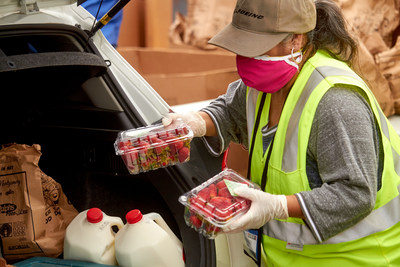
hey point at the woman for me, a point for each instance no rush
(320, 148)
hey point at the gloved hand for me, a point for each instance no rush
(264, 207)
(196, 123)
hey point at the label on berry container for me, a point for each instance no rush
(233, 185)
(152, 147)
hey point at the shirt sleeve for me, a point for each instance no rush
(228, 112)
(343, 161)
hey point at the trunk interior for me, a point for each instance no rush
(45, 103)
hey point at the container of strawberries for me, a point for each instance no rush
(211, 205)
(152, 147)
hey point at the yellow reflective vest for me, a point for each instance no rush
(374, 241)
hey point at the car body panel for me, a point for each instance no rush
(7, 6)
(150, 105)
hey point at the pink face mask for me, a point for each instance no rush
(268, 74)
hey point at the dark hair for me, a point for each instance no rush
(331, 34)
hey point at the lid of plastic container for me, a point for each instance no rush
(134, 216)
(94, 215)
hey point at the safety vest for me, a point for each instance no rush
(374, 241)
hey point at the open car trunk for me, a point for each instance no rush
(50, 80)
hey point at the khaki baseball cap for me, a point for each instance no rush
(259, 25)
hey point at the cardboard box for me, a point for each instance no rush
(139, 26)
(183, 76)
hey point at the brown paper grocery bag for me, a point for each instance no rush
(389, 64)
(34, 212)
(374, 22)
(365, 65)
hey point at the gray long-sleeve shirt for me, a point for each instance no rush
(344, 157)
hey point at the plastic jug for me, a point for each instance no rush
(90, 237)
(146, 240)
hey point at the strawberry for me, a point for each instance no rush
(197, 202)
(145, 166)
(220, 202)
(241, 204)
(122, 146)
(171, 133)
(154, 139)
(195, 221)
(213, 190)
(159, 145)
(221, 184)
(132, 157)
(127, 159)
(132, 163)
(204, 194)
(179, 131)
(164, 163)
(211, 229)
(171, 141)
(142, 145)
(238, 206)
(223, 207)
(178, 144)
(224, 192)
(172, 148)
(163, 135)
(173, 159)
(209, 211)
(183, 154)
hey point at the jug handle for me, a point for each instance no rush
(160, 221)
(116, 221)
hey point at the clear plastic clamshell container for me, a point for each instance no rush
(210, 206)
(152, 147)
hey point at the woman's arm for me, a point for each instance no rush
(294, 208)
(210, 126)
(343, 162)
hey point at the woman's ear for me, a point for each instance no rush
(298, 41)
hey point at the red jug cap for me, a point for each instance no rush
(94, 215)
(134, 216)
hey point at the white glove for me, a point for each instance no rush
(196, 123)
(264, 207)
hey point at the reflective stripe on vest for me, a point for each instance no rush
(289, 161)
(251, 99)
(378, 220)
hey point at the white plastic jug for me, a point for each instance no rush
(90, 237)
(146, 240)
